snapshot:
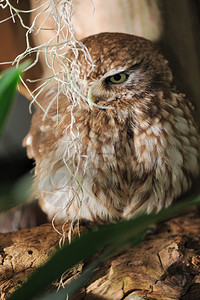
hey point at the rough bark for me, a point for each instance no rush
(22, 251)
(166, 265)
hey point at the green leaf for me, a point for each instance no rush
(115, 236)
(8, 83)
(75, 285)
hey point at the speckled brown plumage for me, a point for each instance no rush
(139, 154)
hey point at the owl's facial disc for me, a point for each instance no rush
(107, 87)
(101, 89)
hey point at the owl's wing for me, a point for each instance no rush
(34, 138)
(41, 136)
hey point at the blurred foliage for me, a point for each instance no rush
(11, 194)
(8, 84)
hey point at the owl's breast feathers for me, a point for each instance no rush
(111, 163)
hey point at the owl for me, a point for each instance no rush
(134, 150)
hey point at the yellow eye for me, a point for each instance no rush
(118, 78)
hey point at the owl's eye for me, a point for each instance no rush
(117, 78)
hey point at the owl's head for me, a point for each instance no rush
(124, 66)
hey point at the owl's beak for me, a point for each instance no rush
(90, 97)
(93, 98)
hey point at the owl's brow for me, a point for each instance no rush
(133, 67)
(114, 72)
(136, 66)
(142, 63)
